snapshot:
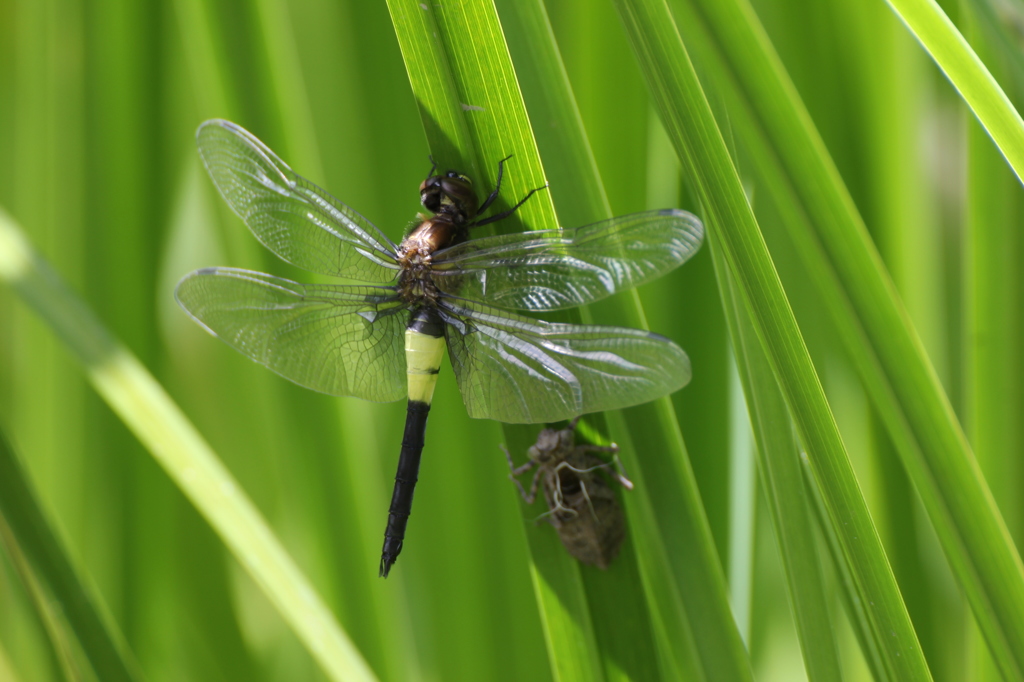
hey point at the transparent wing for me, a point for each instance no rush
(298, 221)
(522, 371)
(553, 269)
(338, 340)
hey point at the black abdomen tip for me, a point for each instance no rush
(386, 562)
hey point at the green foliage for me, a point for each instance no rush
(23, 522)
(861, 270)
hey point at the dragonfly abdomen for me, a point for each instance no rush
(424, 349)
(405, 484)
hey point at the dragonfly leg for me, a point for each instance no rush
(497, 187)
(433, 166)
(586, 496)
(587, 447)
(533, 487)
(504, 214)
(494, 195)
(559, 505)
(619, 474)
(566, 465)
(517, 471)
(540, 517)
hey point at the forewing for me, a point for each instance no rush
(553, 269)
(298, 221)
(338, 340)
(522, 371)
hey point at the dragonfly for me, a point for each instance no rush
(436, 290)
(581, 505)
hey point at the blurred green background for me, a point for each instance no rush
(99, 102)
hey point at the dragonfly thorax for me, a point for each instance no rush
(415, 256)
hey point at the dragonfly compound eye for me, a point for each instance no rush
(431, 193)
(458, 192)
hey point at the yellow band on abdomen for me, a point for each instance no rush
(423, 355)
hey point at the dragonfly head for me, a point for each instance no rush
(450, 193)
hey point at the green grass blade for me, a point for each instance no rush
(469, 100)
(855, 608)
(558, 126)
(26, 521)
(579, 193)
(473, 114)
(991, 243)
(778, 458)
(446, 84)
(158, 423)
(990, 25)
(840, 257)
(699, 144)
(58, 634)
(968, 74)
(992, 318)
(907, 218)
(658, 452)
